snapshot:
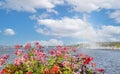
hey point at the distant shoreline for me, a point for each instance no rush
(100, 48)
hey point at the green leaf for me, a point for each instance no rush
(16, 72)
(20, 72)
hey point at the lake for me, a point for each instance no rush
(107, 59)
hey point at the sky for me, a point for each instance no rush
(59, 22)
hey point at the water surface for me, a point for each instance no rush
(107, 59)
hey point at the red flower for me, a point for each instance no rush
(88, 60)
(4, 71)
(45, 71)
(54, 70)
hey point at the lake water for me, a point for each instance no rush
(107, 59)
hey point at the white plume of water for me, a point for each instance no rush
(93, 45)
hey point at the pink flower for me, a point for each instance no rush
(65, 50)
(93, 64)
(17, 61)
(2, 61)
(36, 43)
(74, 49)
(27, 46)
(59, 47)
(18, 46)
(101, 70)
(73, 65)
(39, 53)
(66, 56)
(5, 56)
(18, 52)
(52, 52)
(58, 53)
(66, 63)
(26, 56)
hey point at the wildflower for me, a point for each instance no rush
(38, 46)
(18, 46)
(88, 60)
(74, 49)
(5, 56)
(54, 70)
(45, 71)
(66, 63)
(58, 53)
(27, 46)
(57, 61)
(66, 56)
(2, 61)
(18, 52)
(52, 52)
(101, 70)
(26, 56)
(73, 65)
(39, 54)
(36, 43)
(17, 61)
(4, 71)
(93, 64)
(65, 50)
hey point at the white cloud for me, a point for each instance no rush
(30, 5)
(58, 2)
(109, 33)
(0, 3)
(78, 28)
(9, 31)
(52, 11)
(67, 27)
(115, 15)
(93, 5)
(83, 5)
(77, 5)
(42, 16)
(51, 42)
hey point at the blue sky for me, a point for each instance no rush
(58, 22)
